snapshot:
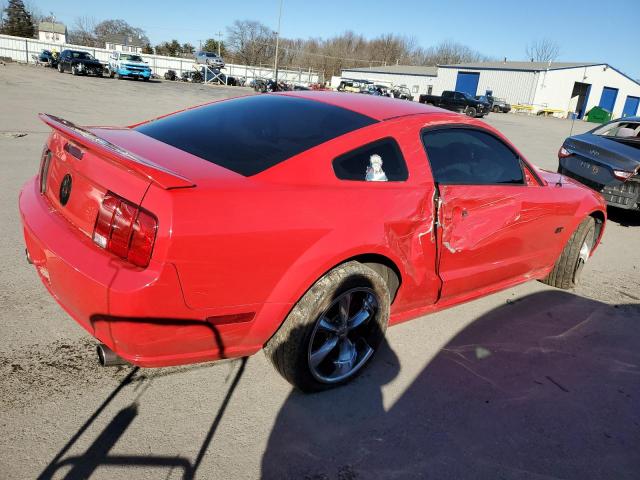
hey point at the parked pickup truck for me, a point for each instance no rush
(458, 102)
(123, 64)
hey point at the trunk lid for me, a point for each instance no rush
(83, 165)
(594, 159)
(605, 151)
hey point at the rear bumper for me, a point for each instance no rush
(624, 195)
(139, 313)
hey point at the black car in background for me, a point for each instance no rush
(458, 102)
(606, 159)
(79, 63)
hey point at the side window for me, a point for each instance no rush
(379, 161)
(463, 156)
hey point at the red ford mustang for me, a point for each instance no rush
(300, 223)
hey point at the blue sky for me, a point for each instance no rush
(586, 30)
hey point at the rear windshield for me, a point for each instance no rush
(620, 129)
(250, 134)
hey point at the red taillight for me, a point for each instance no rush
(125, 230)
(563, 153)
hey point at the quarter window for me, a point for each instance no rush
(380, 161)
(463, 156)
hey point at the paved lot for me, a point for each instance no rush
(530, 383)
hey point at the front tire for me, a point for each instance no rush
(334, 329)
(60, 68)
(471, 112)
(568, 268)
(74, 70)
(496, 109)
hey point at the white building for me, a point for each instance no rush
(561, 88)
(124, 43)
(566, 87)
(52, 32)
(419, 80)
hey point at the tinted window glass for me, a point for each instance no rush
(250, 134)
(362, 164)
(470, 157)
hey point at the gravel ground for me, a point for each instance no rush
(529, 383)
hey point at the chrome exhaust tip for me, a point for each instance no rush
(108, 358)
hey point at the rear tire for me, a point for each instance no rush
(568, 268)
(74, 70)
(60, 68)
(470, 112)
(341, 341)
(496, 109)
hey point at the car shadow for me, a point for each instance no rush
(543, 387)
(98, 453)
(624, 218)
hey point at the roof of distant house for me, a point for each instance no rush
(52, 27)
(428, 71)
(124, 40)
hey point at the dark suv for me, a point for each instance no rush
(79, 63)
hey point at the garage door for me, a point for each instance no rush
(467, 82)
(630, 106)
(608, 98)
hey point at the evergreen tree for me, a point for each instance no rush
(17, 20)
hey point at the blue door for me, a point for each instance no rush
(467, 82)
(630, 106)
(608, 98)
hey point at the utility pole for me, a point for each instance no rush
(54, 35)
(275, 67)
(219, 35)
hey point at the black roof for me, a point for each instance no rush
(251, 134)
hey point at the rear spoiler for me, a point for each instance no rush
(155, 173)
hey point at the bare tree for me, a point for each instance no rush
(450, 52)
(250, 42)
(82, 32)
(106, 28)
(543, 50)
(253, 43)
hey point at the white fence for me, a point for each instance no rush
(22, 49)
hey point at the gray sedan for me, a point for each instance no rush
(209, 58)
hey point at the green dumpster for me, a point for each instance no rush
(598, 115)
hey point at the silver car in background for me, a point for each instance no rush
(209, 58)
